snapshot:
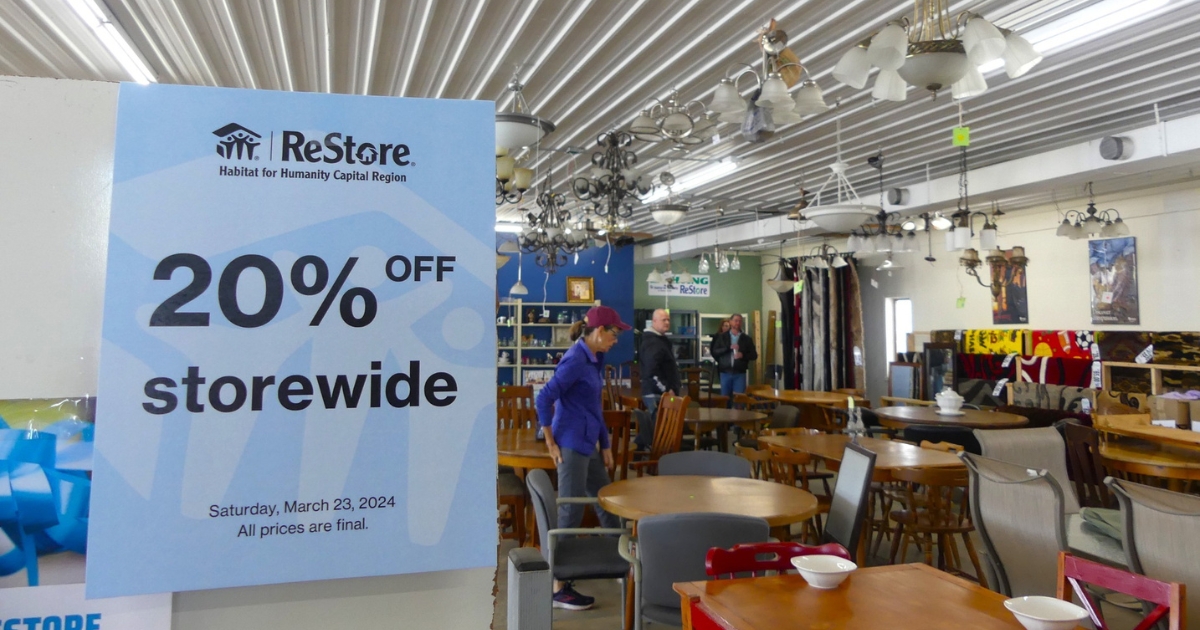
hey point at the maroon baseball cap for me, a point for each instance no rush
(598, 316)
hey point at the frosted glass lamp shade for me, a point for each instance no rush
(983, 41)
(888, 47)
(1019, 56)
(962, 237)
(504, 168)
(852, 243)
(987, 239)
(522, 178)
(733, 117)
(518, 289)
(1119, 228)
(643, 124)
(655, 277)
(934, 70)
(685, 277)
(774, 93)
(509, 247)
(810, 101)
(668, 213)
(1064, 228)
(515, 130)
(788, 116)
(949, 245)
(676, 125)
(971, 84)
(889, 87)
(882, 243)
(726, 99)
(852, 68)
(838, 262)
(703, 266)
(839, 218)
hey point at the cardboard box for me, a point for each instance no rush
(1167, 409)
(1194, 410)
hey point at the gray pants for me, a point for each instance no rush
(581, 476)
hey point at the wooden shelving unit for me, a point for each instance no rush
(1155, 369)
(511, 337)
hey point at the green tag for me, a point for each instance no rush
(799, 288)
(960, 302)
(962, 136)
(779, 323)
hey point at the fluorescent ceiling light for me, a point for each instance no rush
(695, 179)
(508, 227)
(1085, 24)
(112, 39)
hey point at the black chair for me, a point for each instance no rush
(851, 496)
(574, 553)
(961, 436)
(705, 463)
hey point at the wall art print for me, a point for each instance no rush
(1012, 305)
(1112, 265)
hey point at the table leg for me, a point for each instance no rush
(723, 438)
(782, 533)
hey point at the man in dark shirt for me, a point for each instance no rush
(660, 372)
(733, 351)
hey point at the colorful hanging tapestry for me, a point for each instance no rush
(1055, 371)
(985, 366)
(1068, 344)
(993, 341)
(1122, 345)
(977, 391)
(1045, 396)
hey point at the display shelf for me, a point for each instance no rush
(514, 334)
(1155, 369)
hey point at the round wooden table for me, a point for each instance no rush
(900, 417)
(705, 419)
(778, 504)
(1172, 463)
(802, 396)
(521, 449)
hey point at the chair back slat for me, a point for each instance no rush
(514, 407)
(758, 558)
(1083, 460)
(668, 427)
(618, 422)
(1074, 572)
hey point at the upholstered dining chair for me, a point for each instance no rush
(1075, 574)
(705, 463)
(668, 434)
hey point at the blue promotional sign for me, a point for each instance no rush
(295, 341)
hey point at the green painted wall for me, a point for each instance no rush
(735, 291)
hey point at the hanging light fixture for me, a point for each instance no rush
(668, 212)
(1091, 222)
(548, 234)
(848, 211)
(1003, 270)
(934, 51)
(518, 128)
(683, 123)
(613, 185)
(889, 232)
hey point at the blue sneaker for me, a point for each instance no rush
(569, 599)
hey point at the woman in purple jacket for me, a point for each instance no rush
(578, 439)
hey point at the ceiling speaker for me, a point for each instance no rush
(1116, 148)
(898, 196)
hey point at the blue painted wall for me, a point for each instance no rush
(614, 288)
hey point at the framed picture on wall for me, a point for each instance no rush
(939, 368)
(581, 290)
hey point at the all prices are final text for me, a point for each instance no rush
(309, 277)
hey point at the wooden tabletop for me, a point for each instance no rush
(1162, 435)
(900, 417)
(898, 597)
(779, 504)
(889, 455)
(520, 448)
(801, 396)
(1147, 458)
(718, 415)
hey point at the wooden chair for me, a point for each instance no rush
(1168, 597)
(1087, 471)
(760, 460)
(611, 396)
(792, 468)
(515, 408)
(691, 381)
(668, 433)
(512, 503)
(758, 558)
(931, 517)
(618, 423)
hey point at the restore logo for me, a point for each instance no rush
(237, 142)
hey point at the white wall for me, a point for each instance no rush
(55, 180)
(1165, 221)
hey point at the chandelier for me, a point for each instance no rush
(613, 186)
(1003, 270)
(548, 235)
(781, 70)
(934, 51)
(515, 130)
(889, 232)
(682, 123)
(848, 211)
(722, 260)
(1090, 222)
(824, 256)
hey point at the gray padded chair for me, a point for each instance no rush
(671, 548)
(579, 553)
(1159, 528)
(705, 463)
(1044, 448)
(1018, 514)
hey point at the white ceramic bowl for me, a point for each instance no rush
(1037, 612)
(823, 571)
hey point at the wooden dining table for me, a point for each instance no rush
(889, 455)
(1139, 457)
(901, 417)
(897, 597)
(634, 499)
(802, 396)
(522, 450)
(704, 419)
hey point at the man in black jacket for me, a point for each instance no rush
(733, 351)
(660, 371)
